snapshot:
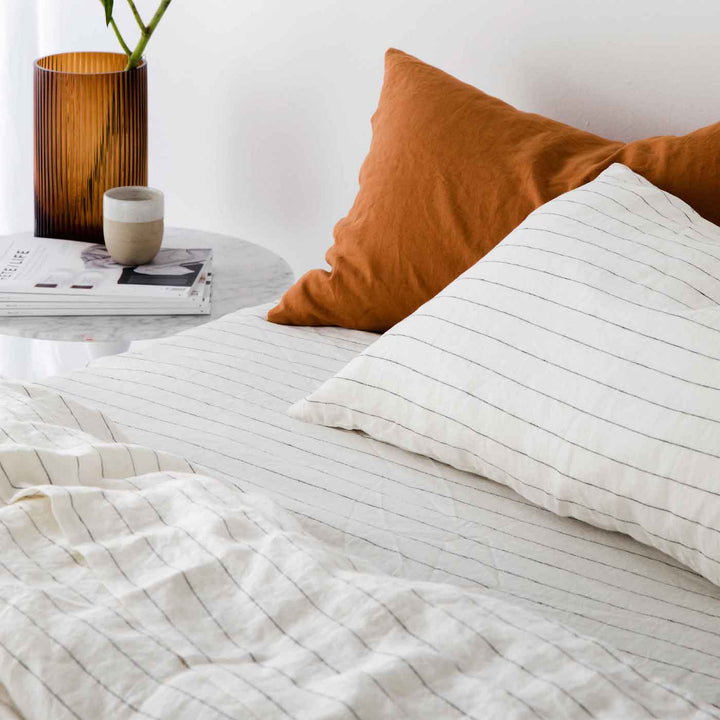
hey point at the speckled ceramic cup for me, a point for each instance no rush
(133, 224)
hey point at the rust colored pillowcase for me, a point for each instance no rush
(450, 172)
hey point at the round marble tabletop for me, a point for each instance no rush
(244, 274)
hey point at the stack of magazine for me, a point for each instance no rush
(43, 276)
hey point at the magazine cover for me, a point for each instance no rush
(67, 267)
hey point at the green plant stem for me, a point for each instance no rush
(124, 45)
(146, 34)
(122, 42)
(137, 17)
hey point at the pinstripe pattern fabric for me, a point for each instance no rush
(219, 395)
(578, 363)
(133, 587)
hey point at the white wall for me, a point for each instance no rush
(260, 109)
(17, 21)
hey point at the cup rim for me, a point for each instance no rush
(115, 194)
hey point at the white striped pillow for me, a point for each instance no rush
(578, 363)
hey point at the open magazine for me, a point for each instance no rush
(43, 276)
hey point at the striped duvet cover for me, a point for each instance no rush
(132, 587)
(218, 395)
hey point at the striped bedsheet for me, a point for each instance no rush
(133, 588)
(218, 395)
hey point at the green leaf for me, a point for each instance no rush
(108, 4)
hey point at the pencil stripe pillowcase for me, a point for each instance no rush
(578, 362)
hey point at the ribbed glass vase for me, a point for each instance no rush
(90, 128)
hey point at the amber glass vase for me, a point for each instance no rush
(90, 118)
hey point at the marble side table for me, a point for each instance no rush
(244, 274)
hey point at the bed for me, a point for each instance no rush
(217, 396)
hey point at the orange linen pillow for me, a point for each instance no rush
(450, 172)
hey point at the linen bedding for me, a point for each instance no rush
(577, 362)
(218, 395)
(131, 587)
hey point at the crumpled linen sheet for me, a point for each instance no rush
(132, 586)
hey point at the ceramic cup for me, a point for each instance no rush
(133, 224)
